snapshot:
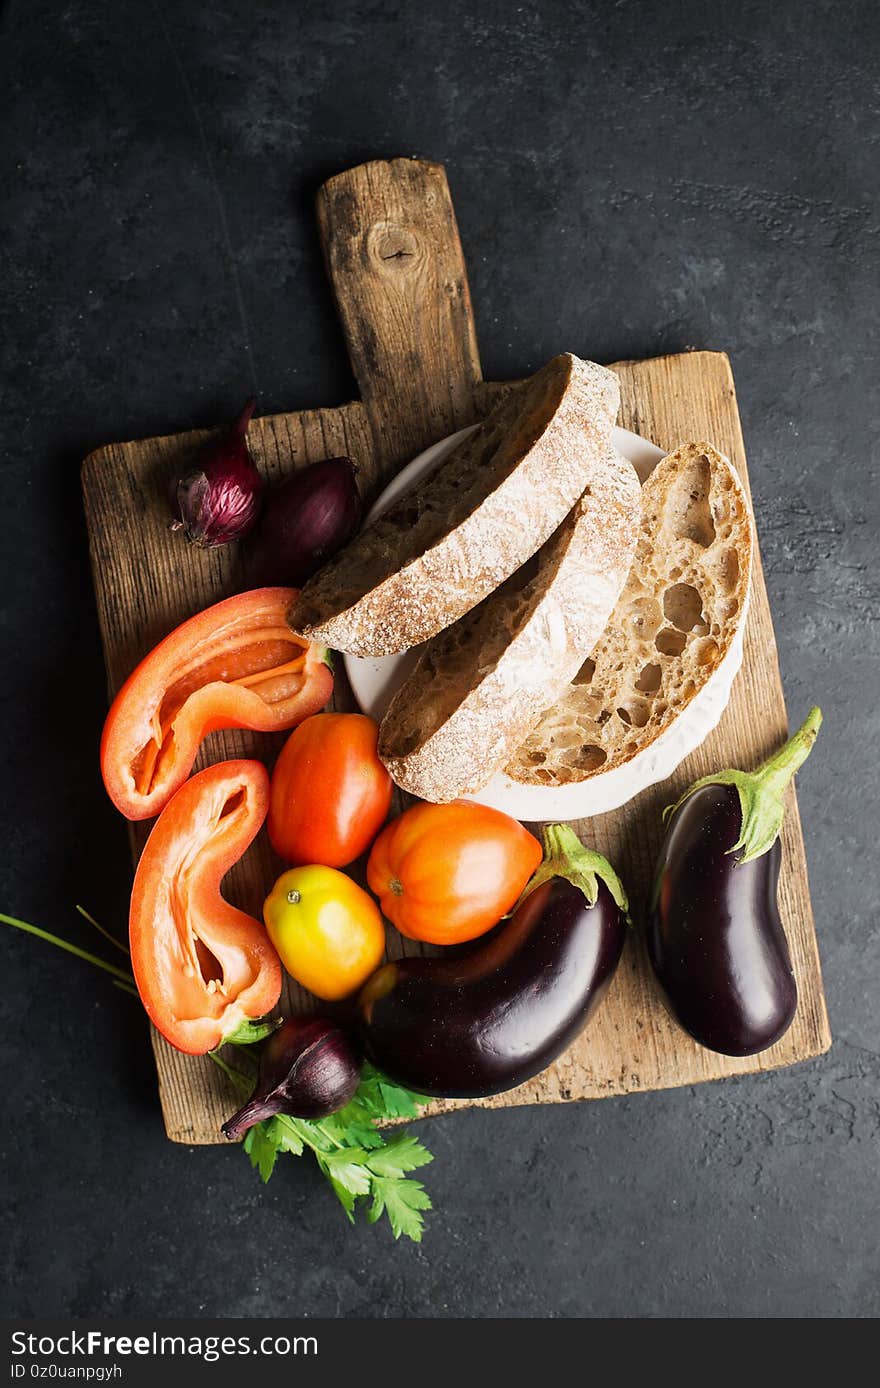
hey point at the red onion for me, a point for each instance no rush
(310, 516)
(309, 1068)
(218, 498)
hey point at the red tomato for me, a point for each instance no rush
(447, 873)
(330, 793)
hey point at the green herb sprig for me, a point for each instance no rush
(359, 1163)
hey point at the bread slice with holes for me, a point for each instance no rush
(677, 624)
(481, 684)
(449, 542)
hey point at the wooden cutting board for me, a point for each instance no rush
(398, 275)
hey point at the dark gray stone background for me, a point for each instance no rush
(630, 179)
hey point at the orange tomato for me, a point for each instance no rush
(448, 873)
(330, 793)
(328, 932)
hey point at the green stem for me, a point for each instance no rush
(117, 944)
(236, 1076)
(565, 856)
(125, 987)
(761, 793)
(775, 773)
(249, 1031)
(323, 1131)
(71, 949)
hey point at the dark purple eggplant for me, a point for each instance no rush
(498, 1014)
(715, 938)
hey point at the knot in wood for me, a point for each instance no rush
(396, 247)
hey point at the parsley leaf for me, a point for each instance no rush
(345, 1197)
(361, 1133)
(353, 1124)
(403, 1202)
(348, 1168)
(356, 1159)
(402, 1154)
(285, 1134)
(260, 1145)
(386, 1099)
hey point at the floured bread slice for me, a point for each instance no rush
(677, 625)
(481, 684)
(446, 544)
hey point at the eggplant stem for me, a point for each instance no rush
(761, 793)
(776, 772)
(71, 949)
(565, 856)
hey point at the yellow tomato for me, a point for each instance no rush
(328, 932)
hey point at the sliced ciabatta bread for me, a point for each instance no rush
(676, 625)
(481, 684)
(450, 541)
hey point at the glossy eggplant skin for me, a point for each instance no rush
(491, 1018)
(715, 938)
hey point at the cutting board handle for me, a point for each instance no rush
(398, 274)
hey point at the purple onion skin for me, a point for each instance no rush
(305, 520)
(218, 499)
(309, 1068)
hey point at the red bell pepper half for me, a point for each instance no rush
(202, 967)
(235, 665)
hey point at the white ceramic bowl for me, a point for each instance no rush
(374, 681)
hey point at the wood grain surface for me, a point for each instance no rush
(398, 275)
(409, 327)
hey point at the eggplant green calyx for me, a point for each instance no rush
(565, 856)
(248, 1032)
(761, 792)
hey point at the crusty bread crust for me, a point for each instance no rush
(449, 542)
(675, 622)
(480, 685)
